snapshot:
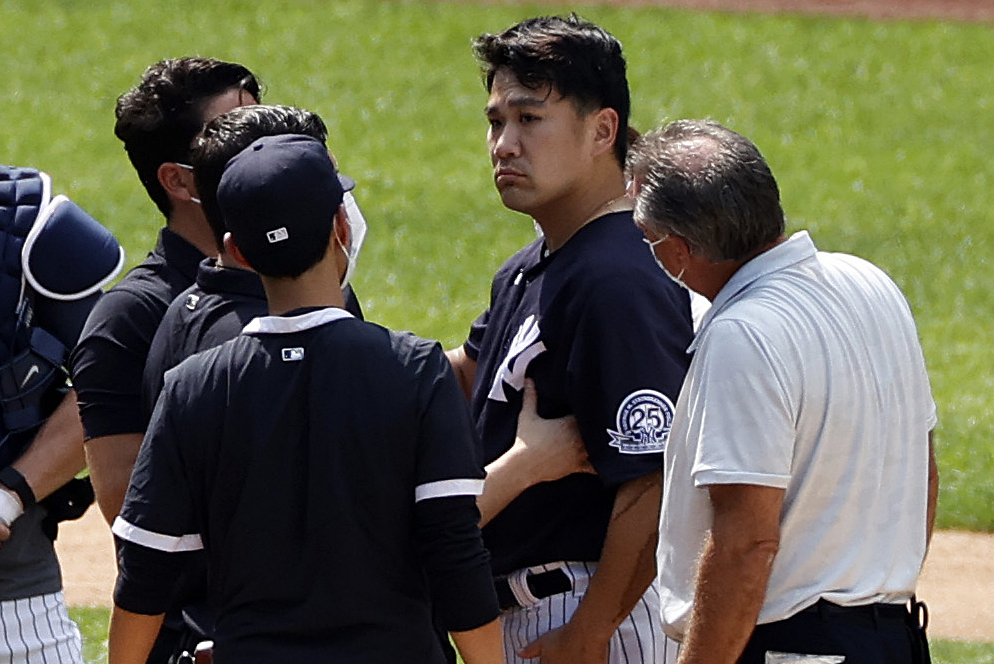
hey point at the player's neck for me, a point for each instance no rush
(561, 221)
(318, 287)
(187, 221)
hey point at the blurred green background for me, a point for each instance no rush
(877, 132)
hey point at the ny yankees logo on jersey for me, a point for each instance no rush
(525, 347)
(644, 420)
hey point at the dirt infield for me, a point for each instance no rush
(956, 583)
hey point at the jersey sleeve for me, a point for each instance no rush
(107, 364)
(627, 362)
(751, 439)
(475, 339)
(449, 454)
(157, 519)
(450, 477)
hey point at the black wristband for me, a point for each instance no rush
(14, 481)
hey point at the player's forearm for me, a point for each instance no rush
(111, 460)
(131, 636)
(734, 572)
(56, 453)
(482, 645)
(731, 585)
(627, 565)
(544, 450)
(503, 484)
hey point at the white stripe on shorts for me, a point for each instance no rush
(37, 630)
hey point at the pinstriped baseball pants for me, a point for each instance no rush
(638, 640)
(38, 630)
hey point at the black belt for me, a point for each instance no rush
(864, 613)
(541, 585)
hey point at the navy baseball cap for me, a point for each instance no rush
(278, 197)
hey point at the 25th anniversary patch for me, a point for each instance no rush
(643, 422)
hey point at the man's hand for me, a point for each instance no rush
(551, 448)
(4, 533)
(543, 450)
(563, 645)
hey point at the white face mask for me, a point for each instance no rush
(357, 234)
(678, 278)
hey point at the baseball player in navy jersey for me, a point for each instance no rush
(275, 451)
(584, 313)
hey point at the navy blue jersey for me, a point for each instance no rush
(328, 468)
(603, 333)
(108, 361)
(208, 313)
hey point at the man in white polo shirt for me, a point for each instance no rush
(800, 481)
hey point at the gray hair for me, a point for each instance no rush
(708, 185)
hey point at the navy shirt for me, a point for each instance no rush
(108, 361)
(208, 313)
(329, 469)
(603, 333)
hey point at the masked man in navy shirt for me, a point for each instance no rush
(332, 524)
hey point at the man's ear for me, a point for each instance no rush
(232, 250)
(605, 127)
(177, 181)
(341, 229)
(682, 249)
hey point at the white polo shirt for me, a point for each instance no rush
(807, 376)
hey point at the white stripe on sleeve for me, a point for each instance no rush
(157, 541)
(447, 489)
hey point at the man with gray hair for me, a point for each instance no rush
(800, 481)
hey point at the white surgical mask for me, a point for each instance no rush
(357, 234)
(678, 278)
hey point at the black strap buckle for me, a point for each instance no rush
(540, 584)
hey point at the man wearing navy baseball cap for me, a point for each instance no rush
(326, 466)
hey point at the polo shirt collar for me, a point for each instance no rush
(214, 278)
(299, 323)
(797, 248)
(179, 253)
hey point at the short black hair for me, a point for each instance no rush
(230, 133)
(580, 60)
(158, 119)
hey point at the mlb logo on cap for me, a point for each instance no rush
(278, 235)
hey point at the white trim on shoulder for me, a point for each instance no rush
(290, 324)
(448, 489)
(157, 541)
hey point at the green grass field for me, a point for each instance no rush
(877, 132)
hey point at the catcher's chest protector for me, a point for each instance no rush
(54, 258)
